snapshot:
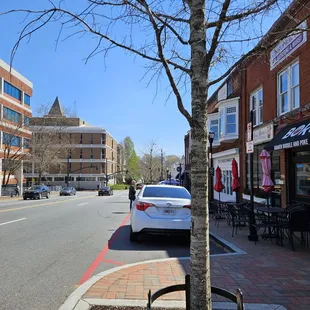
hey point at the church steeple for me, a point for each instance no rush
(56, 109)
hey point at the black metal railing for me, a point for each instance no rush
(237, 299)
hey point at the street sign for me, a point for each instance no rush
(250, 147)
(179, 169)
(211, 171)
(249, 132)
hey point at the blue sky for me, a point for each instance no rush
(107, 92)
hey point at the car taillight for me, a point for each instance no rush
(142, 206)
(187, 206)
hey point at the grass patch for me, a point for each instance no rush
(119, 187)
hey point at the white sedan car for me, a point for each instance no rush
(161, 209)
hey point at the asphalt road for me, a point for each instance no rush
(50, 246)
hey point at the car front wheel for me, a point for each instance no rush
(47, 195)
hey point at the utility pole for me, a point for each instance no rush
(253, 233)
(106, 171)
(68, 170)
(161, 165)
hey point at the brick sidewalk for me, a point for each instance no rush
(267, 274)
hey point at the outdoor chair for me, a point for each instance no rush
(214, 211)
(239, 218)
(266, 222)
(296, 219)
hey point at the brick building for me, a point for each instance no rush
(91, 156)
(15, 113)
(275, 87)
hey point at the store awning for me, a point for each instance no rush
(293, 135)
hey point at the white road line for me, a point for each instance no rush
(82, 204)
(13, 221)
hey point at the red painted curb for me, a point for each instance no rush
(101, 255)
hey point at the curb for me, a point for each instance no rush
(169, 304)
(76, 295)
(75, 301)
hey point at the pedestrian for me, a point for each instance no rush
(132, 192)
(17, 191)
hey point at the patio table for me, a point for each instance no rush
(272, 212)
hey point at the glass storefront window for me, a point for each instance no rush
(302, 179)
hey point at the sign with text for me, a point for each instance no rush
(250, 147)
(295, 135)
(263, 134)
(288, 45)
(249, 132)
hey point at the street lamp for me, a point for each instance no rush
(211, 169)
(167, 174)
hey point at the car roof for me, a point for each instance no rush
(163, 185)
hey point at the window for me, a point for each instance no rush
(91, 153)
(214, 127)
(227, 181)
(103, 138)
(81, 138)
(256, 106)
(229, 87)
(112, 156)
(81, 166)
(288, 89)
(91, 139)
(166, 192)
(103, 154)
(70, 153)
(26, 121)
(70, 167)
(81, 153)
(26, 143)
(231, 124)
(80, 178)
(9, 139)
(222, 123)
(112, 144)
(11, 115)
(26, 99)
(59, 179)
(12, 91)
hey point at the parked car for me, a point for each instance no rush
(106, 190)
(161, 209)
(139, 186)
(67, 191)
(36, 192)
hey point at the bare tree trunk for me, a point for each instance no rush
(39, 178)
(200, 260)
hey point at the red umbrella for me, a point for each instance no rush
(234, 170)
(268, 185)
(219, 186)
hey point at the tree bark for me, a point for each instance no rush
(39, 178)
(200, 259)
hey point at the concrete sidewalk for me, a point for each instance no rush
(270, 277)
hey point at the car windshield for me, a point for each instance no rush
(35, 188)
(66, 188)
(166, 192)
(105, 188)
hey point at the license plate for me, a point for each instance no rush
(168, 211)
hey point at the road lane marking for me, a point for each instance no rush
(83, 204)
(102, 254)
(41, 205)
(10, 222)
